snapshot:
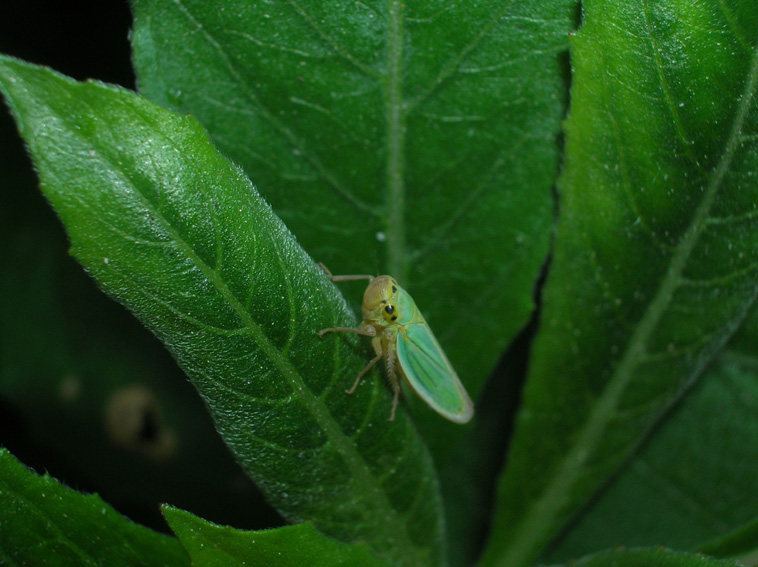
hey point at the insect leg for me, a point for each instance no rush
(366, 333)
(394, 382)
(366, 369)
(344, 278)
(394, 404)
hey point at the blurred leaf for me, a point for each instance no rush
(210, 545)
(416, 139)
(175, 232)
(740, 544)
(658, 556)
(656, 249)
(695, 479)
(44, 523)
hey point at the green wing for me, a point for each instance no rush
(428, 372)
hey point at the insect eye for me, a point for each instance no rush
(390, 313)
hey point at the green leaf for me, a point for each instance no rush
(693, 480)
(174, 231)
(655, 257)
(416, 139)
(105, 407)
(44, 523)
(741, 544)
(210, 545)
(658, 556)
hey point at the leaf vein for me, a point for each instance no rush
(331, 42)
(286, 133)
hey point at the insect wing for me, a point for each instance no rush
(430, 374)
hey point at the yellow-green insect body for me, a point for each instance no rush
(401, 335)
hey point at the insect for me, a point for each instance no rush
(400, 335)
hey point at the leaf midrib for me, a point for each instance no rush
(538, 522)
(397, 263)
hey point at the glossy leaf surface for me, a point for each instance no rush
(174, 231)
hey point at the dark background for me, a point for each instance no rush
(54, 320)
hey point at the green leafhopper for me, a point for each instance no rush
(400, 335)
